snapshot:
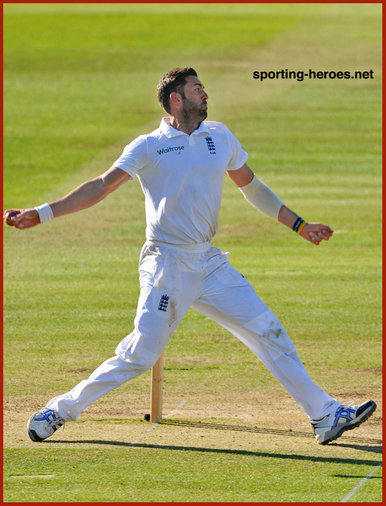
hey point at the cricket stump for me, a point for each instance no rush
(157, 379)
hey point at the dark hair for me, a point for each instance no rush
(173, 80)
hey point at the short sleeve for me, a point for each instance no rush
(239, 156)
(133, 157)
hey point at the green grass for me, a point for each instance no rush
(79, 83)
(226, 473)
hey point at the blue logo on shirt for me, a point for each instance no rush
(211, 146)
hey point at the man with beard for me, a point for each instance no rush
(181, 166)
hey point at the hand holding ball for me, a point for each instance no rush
(23, 218)
(9, 214)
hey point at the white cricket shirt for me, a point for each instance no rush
(181, 176)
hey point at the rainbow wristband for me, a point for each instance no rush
(302, 225)
(297, 224)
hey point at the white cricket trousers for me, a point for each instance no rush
(173, 279)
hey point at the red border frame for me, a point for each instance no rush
(1, 197)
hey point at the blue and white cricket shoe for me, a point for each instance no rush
(43, 424)
(344, 418)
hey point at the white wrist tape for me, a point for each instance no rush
(262, 197)
(45, 213)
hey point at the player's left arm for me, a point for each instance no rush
(264, 199)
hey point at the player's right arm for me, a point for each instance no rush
(86, 195)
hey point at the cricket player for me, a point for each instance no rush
(181, 166)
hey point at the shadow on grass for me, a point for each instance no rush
(373, 449)
(365, 444)
(356, 476)
(262, 430)
(256, 430)
(245, 453)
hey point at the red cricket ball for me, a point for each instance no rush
(9, 215)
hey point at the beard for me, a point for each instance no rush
(193, 112)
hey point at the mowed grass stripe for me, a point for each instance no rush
(60, 112)
(228, 474)
(316, 143)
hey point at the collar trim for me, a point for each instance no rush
(171, 132)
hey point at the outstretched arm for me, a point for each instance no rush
(86, 195)
(266, 201)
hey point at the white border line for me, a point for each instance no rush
(175, 409)
(154, 425)
(361, 483)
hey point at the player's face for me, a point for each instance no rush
(195, 102)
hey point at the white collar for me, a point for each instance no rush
(171, 132)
